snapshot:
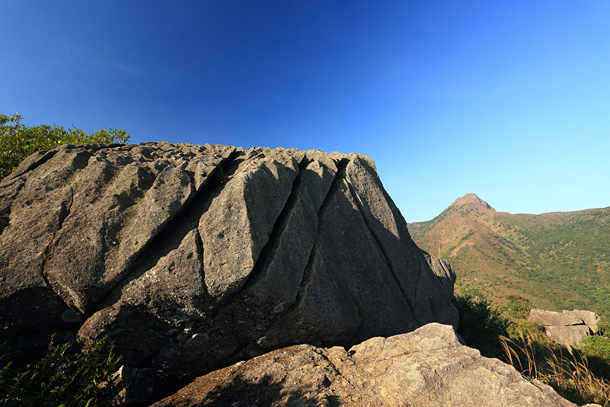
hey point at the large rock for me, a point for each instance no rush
(566, 327)
(443, 270)
(428, 367)
(193, 257)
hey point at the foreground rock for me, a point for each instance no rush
(566, 327)
(193, 257)
(427, 367)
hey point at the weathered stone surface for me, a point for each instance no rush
(567, 335)
(389, 229)
(138, 385)
(193, 257)
(427, 367)
(566, 327)
(591, 319)
(443, 270)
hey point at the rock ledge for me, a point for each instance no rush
(428, 367)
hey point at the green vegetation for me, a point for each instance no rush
(580, 375)
(559, 260)
(518, 307)
(60, 380)
(17, 141)
(599, 345)
(481, 325)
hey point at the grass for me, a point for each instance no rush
(579, 375)
(564, 369)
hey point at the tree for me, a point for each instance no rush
(17, 141)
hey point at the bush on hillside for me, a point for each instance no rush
(517, 311)
(518, 306)
(481, 324)
(60, 379)
(597, 345)
(17, 141)
(603, 326)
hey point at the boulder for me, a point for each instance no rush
(591, 319)
(566, 327)
(427, 367)
(191, 258)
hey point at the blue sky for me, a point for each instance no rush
(509, 99)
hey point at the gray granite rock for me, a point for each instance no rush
(443, 271)
(566, 327)
(193, 257)
(429, 367)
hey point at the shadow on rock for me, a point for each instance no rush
(242, 391)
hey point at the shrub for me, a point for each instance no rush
(603, 326)
(17, 141)
(481, 324)
(518, 306)
(59, 380)
(597, 346)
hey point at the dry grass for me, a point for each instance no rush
(566, 371)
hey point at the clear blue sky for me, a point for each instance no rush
(509, 99)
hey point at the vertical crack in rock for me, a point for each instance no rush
(384, 252)
(5, 212)
(46, 253)
(275, 290)
(308, 274)
(241, 218)
(339, 176)
(177, 226)
(199, 244)
(278, 227)
(421, 262)
(64, 212)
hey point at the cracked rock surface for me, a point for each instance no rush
(566, 327)
(429, 367)
(194, 257)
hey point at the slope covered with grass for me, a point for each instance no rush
(559, 260)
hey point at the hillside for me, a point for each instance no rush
(559, 260)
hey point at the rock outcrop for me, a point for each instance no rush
(443, 270)
(193, 257)
(566, 327)
(427, 367)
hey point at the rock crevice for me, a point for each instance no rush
(566, 327)
(194, 257)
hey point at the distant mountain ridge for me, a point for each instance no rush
(560, 260)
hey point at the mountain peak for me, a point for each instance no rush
(472, 201)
